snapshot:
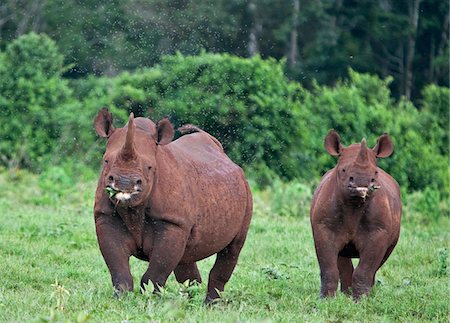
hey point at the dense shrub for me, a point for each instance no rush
(362, 107)
(269, 125)
(31, 91)
(248, 104)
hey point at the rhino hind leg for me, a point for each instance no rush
(345, 267)
(226, 261)
(184, 272)
(223, 268)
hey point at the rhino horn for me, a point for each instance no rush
(128, 151)
(363, 157)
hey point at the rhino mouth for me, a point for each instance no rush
(362, 191)
(121, 195)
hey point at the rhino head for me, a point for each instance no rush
(129, 162)
(357, 173)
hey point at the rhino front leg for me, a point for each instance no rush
(168, 249)
(371, 257)
(114, 245)
(327, 255)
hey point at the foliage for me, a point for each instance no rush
(31, 91)
(362, 107)
(248, 104)
(287, 198)
(271, 126)
(378, 37)
(277, 277)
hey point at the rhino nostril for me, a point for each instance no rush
(351, 178)
(139, 182)
(372, 180)
(110, 178)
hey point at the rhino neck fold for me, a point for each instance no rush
(134, 220)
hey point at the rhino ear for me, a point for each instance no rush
(333, 143)
(164, 132)
(384, 146)
(103, 123)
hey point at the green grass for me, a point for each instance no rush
(52, 270)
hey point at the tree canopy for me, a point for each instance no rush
(321, 39)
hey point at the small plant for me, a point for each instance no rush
(189, 289)
(60, 294)
(427, 204)
(442, 262)
(274, 273)
(289, 199)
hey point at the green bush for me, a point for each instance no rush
(362, 107)
(289, 199)
(248, 104)
(268, 124)
(31, 91)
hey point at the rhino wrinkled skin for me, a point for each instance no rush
(171, 203)
(355, 213)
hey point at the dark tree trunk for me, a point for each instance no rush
(413, 23)
(31, 18)
(255, 30)
(293, 44)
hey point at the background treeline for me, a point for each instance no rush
(405, 39)
(271, 125)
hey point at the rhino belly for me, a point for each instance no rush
(218, 224)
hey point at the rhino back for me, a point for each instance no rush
(198, 184)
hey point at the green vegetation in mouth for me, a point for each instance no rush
(111, 192)
(373, 188)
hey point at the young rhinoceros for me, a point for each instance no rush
(355, 213)
(168, 202)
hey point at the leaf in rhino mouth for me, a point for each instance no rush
(111, 191)
(373, 188)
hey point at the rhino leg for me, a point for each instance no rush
(327, 249)
(227, 258)
(114, 245)
(345, 267)
(329, 276)
(184, 272)
(371, 258)
(168, 249)
(224, 265)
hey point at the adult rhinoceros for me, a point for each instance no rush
(355, 213)
(171, 203)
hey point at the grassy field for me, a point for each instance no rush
(52, 270)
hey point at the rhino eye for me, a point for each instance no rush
(106, 161)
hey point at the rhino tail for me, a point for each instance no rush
(189, 128)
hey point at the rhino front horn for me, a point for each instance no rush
(362, 155)
(128, 151)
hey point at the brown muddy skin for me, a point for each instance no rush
(177, 202)
(355, 213)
